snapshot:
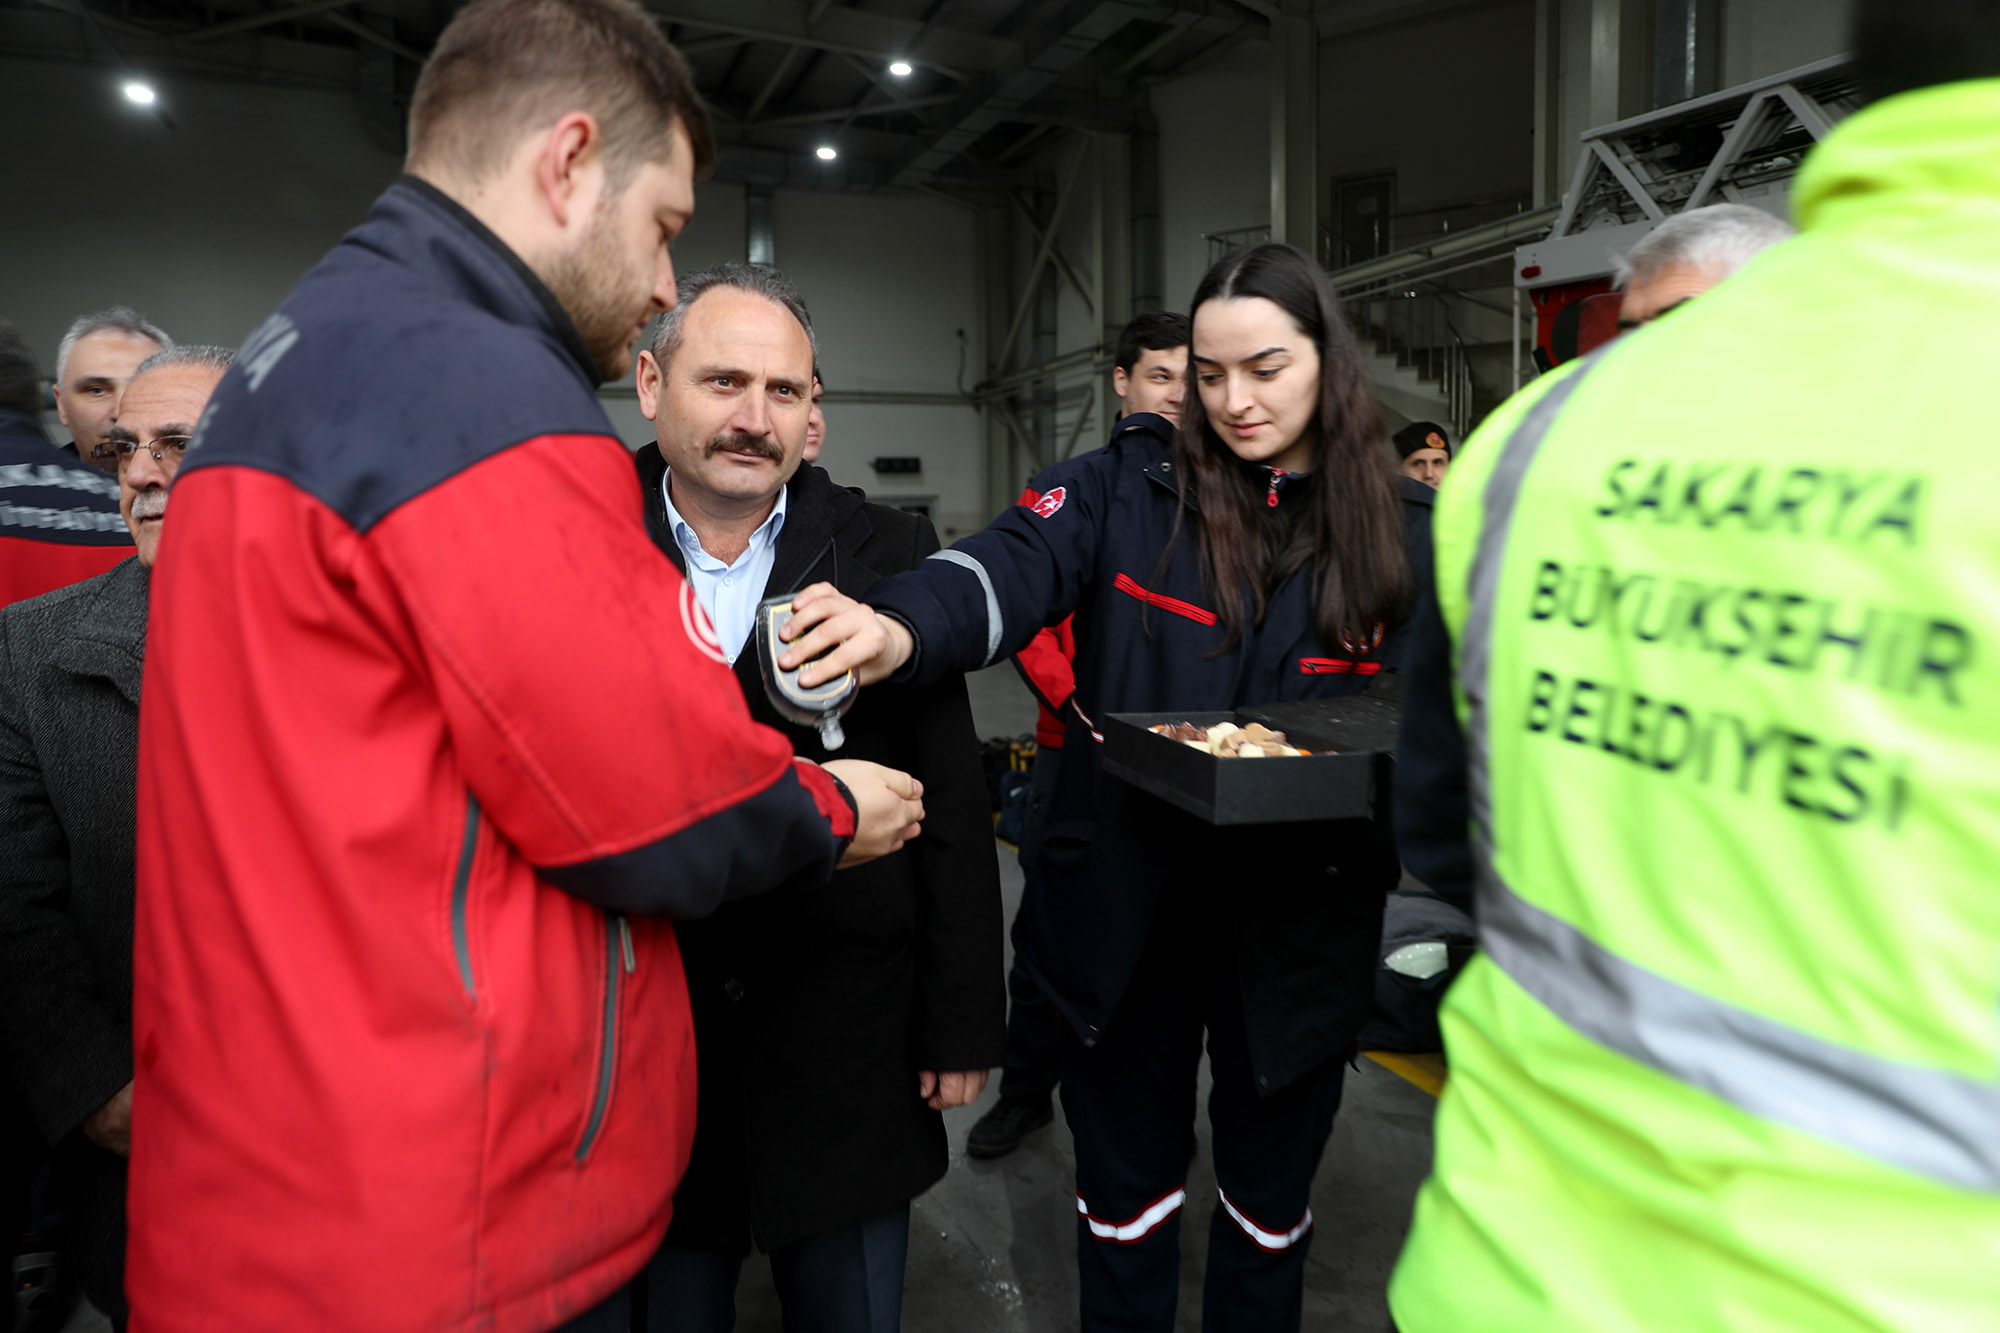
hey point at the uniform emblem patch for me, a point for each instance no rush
(1047, 506)
(700, 629)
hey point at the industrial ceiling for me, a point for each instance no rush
(905, 93)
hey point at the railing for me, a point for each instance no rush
(1414, 325)
(1422, 227)
(1445, 255)
(1222, 244)
(1399, 302)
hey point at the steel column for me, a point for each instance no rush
(1041, 260)
(1295, 125)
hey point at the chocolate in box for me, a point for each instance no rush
(1353, 740)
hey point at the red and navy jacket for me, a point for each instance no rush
(59, 519)
(434, 742)
(1048, 667)
(1147, 640)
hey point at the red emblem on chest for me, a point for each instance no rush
(1046, 506)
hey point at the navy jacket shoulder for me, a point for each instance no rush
(48, 495)
(420, 346)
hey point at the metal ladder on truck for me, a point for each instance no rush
(1742, 145)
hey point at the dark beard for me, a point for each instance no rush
(603, 295)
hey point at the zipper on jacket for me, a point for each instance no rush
(461, 890)
(617, 951)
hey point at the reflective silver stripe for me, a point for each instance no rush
(1503, 488)
(965, 561)
(1148, 1219)
(1275, 1242)
(461, 930)
(1927, 1121)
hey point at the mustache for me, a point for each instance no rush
(149, 504)
(761, 445)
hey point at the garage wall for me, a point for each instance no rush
(1446, 102)
(1761, 37)
(205, 228)
(890, 279)
(1215, 161)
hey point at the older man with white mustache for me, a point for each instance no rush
(156, 419)
(70, 664)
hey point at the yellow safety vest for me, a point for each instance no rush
(1725, 607)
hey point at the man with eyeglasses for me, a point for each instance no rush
(70, 664)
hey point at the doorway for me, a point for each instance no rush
(1364, 218)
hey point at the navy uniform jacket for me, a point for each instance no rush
(59, 519)
(1300, 905)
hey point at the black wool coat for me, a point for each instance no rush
(815, 1009)
(70, 663)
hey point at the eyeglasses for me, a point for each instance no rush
(164, 448)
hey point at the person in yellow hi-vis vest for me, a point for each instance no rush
(1723, 604)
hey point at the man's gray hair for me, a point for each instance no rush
(216, 359)
(1720, 235)
(122, 318)
(753, 278)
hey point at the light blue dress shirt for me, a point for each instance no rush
(729, 593)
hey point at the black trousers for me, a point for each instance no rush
(846, 1281)
(1130, 1100)
(1029, 1069)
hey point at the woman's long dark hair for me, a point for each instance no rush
(1352, 535)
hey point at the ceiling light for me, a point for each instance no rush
(140, 94)
(825, 153)
(901, 69)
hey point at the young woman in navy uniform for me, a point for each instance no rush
(1256, 555)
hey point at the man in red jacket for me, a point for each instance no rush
(435, 740)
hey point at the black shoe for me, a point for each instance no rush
(44, 1292)
(1001, 1129)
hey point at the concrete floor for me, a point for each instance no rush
(992, 1245)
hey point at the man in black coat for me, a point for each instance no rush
(70, 662)
(832, 1027)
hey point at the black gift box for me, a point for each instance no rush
(1347, 775)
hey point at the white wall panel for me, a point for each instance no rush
(1215, 161)
(1445, 103)
(1763, 37)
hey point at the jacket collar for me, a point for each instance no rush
(419, 226)
(109, 638)
(1279, 486)
(1923, 150)
(821, 519)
